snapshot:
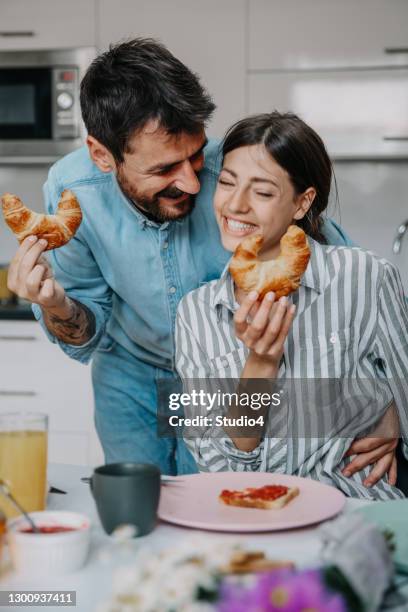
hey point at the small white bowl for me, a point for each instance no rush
(49, 553)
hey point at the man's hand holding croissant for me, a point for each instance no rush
(31, 278)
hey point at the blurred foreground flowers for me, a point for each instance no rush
(192, 578)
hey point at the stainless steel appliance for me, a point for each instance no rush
(40, 118)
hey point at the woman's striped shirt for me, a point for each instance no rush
(351, 326)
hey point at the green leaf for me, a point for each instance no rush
(336, 581)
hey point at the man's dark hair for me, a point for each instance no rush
(134, 82)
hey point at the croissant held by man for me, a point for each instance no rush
(56, 229)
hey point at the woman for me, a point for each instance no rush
(346, 322)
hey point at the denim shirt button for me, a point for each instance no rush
(165, 245)
(172, 290)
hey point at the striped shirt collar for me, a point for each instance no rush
(314, 278)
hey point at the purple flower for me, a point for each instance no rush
(281, 591)
(234, 598)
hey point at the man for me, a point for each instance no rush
(145, 183)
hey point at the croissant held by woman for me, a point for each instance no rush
(280, 275)
(56, 229)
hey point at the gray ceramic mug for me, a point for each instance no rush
(127, 493)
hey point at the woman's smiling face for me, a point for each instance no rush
(255, 195)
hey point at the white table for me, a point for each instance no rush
(93, 582)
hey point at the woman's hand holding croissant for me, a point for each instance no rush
(264, 334)
(31, 278)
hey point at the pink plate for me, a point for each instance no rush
(193, 502)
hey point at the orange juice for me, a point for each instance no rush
(23, 466)
(2, 536)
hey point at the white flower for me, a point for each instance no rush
(171, 579)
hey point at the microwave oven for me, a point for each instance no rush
(40, 118)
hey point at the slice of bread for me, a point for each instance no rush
(248, 499)
(247, 562)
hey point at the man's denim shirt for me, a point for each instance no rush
(129, 271)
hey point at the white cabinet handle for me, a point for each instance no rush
(17, 338)
(396, 138)
(17, 33)
(395, 50)
(7, 393)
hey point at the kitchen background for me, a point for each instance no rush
(341, 64)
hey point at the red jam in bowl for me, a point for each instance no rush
(49, 529)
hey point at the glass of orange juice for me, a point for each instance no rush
(2, 537)
(23, 460)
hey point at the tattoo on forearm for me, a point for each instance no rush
(78, 329)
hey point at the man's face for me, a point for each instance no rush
(159, 173)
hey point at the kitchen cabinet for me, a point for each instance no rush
(307, 34)
(358, 113)
(37, 376)
(46, 24)
(209, 37)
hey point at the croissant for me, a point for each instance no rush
(280, 275)
(57, 229)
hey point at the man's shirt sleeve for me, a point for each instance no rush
(335, 234)
(77, 271)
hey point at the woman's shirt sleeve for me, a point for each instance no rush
(213, 451)
(392, 342)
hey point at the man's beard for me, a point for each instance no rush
(152, 207)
